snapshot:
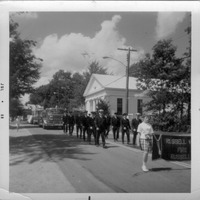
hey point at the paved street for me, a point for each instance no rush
(43, 161)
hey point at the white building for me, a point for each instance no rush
(112, 89)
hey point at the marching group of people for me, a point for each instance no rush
(98, 124)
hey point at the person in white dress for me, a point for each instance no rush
(18, 121)
(145, 131)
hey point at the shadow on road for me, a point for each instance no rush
(111, 146)
(160, 169)
(45, 147)
(23, 126)
(165, 169)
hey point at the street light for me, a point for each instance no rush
(127, 78)
(106, 57)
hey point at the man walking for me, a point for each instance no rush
(115, 123)
(71, 123)
(108, 122)
(65, 119)
(91, 128)
(100, 123)
(125, 125)
(78, 121)
(85, 125)
(134, 125)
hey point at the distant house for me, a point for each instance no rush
(113, 90)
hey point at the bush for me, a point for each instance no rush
(104, 106)
(169, 122)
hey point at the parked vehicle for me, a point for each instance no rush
(52, 117)
(40, 120)
(36, 115)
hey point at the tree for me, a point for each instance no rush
(62, 87)
(168, 83)
(40, 96)
(24, 66)
(79, 88)
(93, 68)
(65, 89)
(102, 104)
(187, 77)
(15, 108)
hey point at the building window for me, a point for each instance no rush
(119, 106)
(139, 106)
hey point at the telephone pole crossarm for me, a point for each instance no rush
(127, 49)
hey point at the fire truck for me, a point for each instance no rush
(52, 117)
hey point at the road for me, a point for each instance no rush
(43, 161)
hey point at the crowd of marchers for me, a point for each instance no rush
(97, 125)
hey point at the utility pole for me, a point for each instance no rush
(127, 74)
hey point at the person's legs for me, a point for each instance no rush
(128, 136)
(134, 137)
(103, 138)
(97, 137)
(89, 136)
(117, 133)
(114, 133)
(145, 159)
(145, 156)
(72, 129)
(84, 130)
(77, 130)
(94, 136)
(122, 136)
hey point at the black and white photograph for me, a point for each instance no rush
(99, 100)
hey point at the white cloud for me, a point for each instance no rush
(73, 52)
(167, 23)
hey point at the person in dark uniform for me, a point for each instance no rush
(65, 119)
(108, 122)
(78, 121)
(71, 123)
(115, 123)
(134, 126)
(85, 125)
(125, 126)
(91, 127)
(100, 123)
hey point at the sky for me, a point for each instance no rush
(72, 40)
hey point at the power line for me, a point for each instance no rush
(115, 80)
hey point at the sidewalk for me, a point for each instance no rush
(37, 176)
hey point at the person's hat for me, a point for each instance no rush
(101, 110)
(93, 113)
(124, 114)
(115, 113)
(85, 111)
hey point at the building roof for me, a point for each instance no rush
(109, 81)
